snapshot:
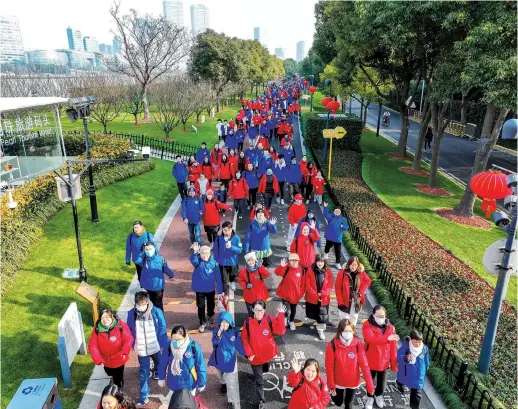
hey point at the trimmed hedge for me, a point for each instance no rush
(38, 203)
(313, 125)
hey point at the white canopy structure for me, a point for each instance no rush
(12, 104)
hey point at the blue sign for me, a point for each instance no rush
(37, 394)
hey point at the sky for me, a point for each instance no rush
(43, 23)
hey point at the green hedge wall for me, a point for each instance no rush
(313, 125)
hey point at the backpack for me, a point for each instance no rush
(334, 346)
(248, 274)
(141, 247)
(247, 325)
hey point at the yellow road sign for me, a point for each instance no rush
(337, 132)
(340, 132)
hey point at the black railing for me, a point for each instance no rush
(463, 381)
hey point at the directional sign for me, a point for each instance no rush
(340, 132)
(337, 133)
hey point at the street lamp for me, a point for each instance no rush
(81, 110)
(329, 85)
(312, 91)
(325, 103)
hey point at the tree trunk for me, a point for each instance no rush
(145, 106)
(217, 102)
(425, 120)
(365, 114)
(438, 127)
(490, 132)
(105, 124)
(463, 119)
(198, 117)
(184, 123)
(136, 118)
(403, 114)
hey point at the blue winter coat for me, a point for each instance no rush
(252, 178)
(252, 132)
(193, 209)
(251, 155)
(241, 135)
(202, 154)
(194, 371)
(206, 276)
(224, 354)
(158, 322)
(264, 130)
(258, 235)
(282, 174)
(336, 225)
(224, 256)
(412, 375)
(265, 163)
(232, 141)
(134, 244)
(180, 172)
(288, 155)
(272, 122)
(153, 269)
(294, 174)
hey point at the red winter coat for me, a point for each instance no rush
(292, 286)
(289, 130)
(311, 288)
(197, 186)
(194, 173)
(264, 141)
(211, 216)
(225, 171)
(260, 343)
(318, 185)
(238, 189)
(266, 214)
(215, 160)
(262, 185)
(303, 167)
(259, 291)
(111, 348)
(343, 288)
(208, 171)
(233, 160)
(310, 395)
(381, 353)
(296, 212)
(257, 119)
(304, 246)
(232, 124)
(344, 363)
(308, 176)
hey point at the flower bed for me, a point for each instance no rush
(475, 221)
(396, 156)
(450, 293)
(411, 171)
(432, 191)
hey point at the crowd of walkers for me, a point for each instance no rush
(253, 177)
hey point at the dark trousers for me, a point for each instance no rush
(309, 191)
(415, 398)
(250, 309)
(292, 308)
(252, 196)
(240, 146)
(225, 183)
(212, 233)
(266, 261)
(258, 371)
(281, 190)
(337, 246)
(344, 396)
(182, 189)
(200, 303)
(117, 375)
(268, 202)
(156, 298)
(238, 205)
(139, 271)
(380, 378)
(228, 274)
(427, 142)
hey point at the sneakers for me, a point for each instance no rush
(223, 389)
(282, 201)
(380, 401)
(240, 216)
(292, 326)
(278, 200)
(211, 245)
(338, 266)
(201, 328)
(212, 320)
(155, 376)
(321, 334)
(307, 201)
(233, 286)
(230, 406)
(369, 403)
(261, 405)
(142, 402)
(247, 208)
(326, 256)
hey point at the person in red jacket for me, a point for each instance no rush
(215, 158)
(296, 211)
(194, 170)
(263, 140)
(239, 191)
(292, 286)
(113, 397)
(304, 245)
(211, 217)
(259, 343)
(110, 345)
(381, 344)
(233, 160)
(307, 178)
(259, 205)
(345, 357)
(353, 276)
(318, 187)
(207, 169)
(268, 187)
(319, 284)
(225, 171)
(303, 165)
(251, 279)
(309, 388)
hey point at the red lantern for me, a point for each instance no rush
(306, 82)
(490, 185)
(333, 106)
(312, 89)
(326, 101)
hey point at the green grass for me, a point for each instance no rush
(39, 296)
(396, 190)
(317, 105)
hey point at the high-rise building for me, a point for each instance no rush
(300, 50)
(117, 45)
(199, 18)
(257, 34)
(279, 53)
(173, 12)
(105, 48)
(11, 45)
(90, 44)
(47, 57)
(75, 41)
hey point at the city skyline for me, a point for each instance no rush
(301, 48)
(11, 41)
(199, 18)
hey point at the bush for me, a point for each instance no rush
(313, 125)
(38, 203)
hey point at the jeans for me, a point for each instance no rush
(338, 249)
(182, 189)
(200, 303)
(212, 233)
(318, 199)
(228, 274)
(293, 189)
(117, 374)
(345, 396)
(238, 205)
(415, 398)
(144, 373)
(380, 377)
(252, 196)
(156, 298)
(258, 371)
(268, 202)
(291, 233)
(194, 232)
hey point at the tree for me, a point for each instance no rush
(312, 64)
(150, 47)
(167, 99)
(324, 40)
(202, 98)
(290, 67)
(133, 101)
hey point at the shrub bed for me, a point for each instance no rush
(314, 124)
(38, 203)
(452, 295)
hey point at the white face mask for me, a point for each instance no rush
(347, 336)
(142, 308)
(379, 321)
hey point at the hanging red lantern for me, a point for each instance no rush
(333, 106)
(490, 185)
(312, 89)
(326, 101)
(306, 83)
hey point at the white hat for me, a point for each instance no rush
(250, 255)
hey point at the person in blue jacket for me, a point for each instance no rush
(152, 277)
(294, 178)
(264, 130)
(227, 248)
(336, 225)
(251, 175)
(280, 169)
(265, 162)
(413, 362)
(135, 244)
(251, 155)
(226, 343)
(310, 216)
(202, 153)
(184, 364)
(258, 237)
(232, 140)
(240, 135)
(180, 172)
(288, 152)
(193, 210)
(252, 132)
(148, 328)
(206, 279)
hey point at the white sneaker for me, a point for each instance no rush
(380, 401)
(321, 334)
(338, 266)
(233, 286)
(307, 201)
(211, 245)
(278, 200)
(326, 256)
(292, 326)
(369, 403)
(201, 328)
(282, 201)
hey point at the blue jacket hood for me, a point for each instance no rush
(225, 315)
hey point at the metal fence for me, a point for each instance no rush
(465, 383)
(454, 127)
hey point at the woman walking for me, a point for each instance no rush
(251, 279)
(258, 237)
(309, 388)
(292, 286)
(319, 284)
(269, 187)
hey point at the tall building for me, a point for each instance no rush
(90, 44)
(300, 50)
(11, 45)
(47, 57)
(279, 53)
(173, 12)
(257, 34)
(117, 45)
(105, 48)
(199, 18)
(75, 41)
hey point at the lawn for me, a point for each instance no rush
(39, 296)
(396, 190)
(317, 105)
